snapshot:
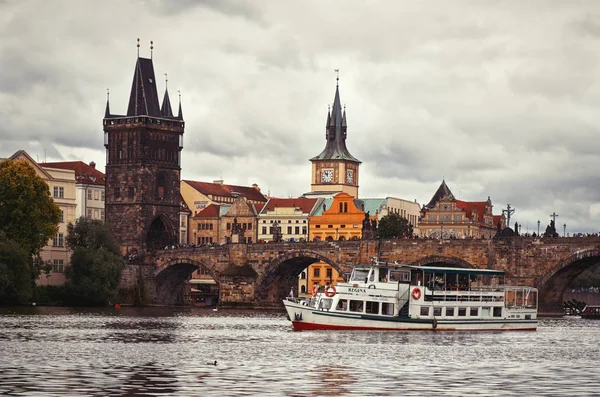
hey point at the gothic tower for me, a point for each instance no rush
(143, 166)
(335, 169)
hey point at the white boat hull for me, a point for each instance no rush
(305, 318)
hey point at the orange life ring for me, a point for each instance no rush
(315, 290)
(416, 294)
(330, 291)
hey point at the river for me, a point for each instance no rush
(160, 351)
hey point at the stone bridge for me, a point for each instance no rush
(261, 275)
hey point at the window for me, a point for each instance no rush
(58, 240)
(356, 306)
(131, 192)
(303, 276)
(497, 312)
(437, 311)
(264, 230)
(330, 226)
(183, 220)
(228, 226)
(303, 229)
(96, 214)
(342, 305)
(329, 273)
(387, 309)
(450, 311)
(250, 226)
(59, 192)
(474, 312)
(317, 226)
(58, 265)
(462, 311)
(89, 194)
(297, 230)
(289, 230)
(317, 272)
(210, 226)
(102, 214)
(62, 216)
(372, 307)
(424, 311)
(96, 194)
(89, 213)
(117, 193)
(102, 195)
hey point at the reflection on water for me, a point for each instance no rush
(158, 351)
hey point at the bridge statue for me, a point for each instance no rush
(369, 228)
(237, 232)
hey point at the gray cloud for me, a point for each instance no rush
(499, 98)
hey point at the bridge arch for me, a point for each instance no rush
(281, 274)
(448, 260)
(160, 232)
(553, 284)
(172, 274)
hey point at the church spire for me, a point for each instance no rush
(143, 99)
(165, 109)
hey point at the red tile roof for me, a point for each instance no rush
(217, 190)
(84, 173)
(211, 211)
(305, 204)
(468, 207)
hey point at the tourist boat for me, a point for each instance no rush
(591, 312)
(384, 296)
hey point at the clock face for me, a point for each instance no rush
(327, 176)
(350, 176)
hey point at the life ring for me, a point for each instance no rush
(416, 294)
(330, 291)
(315, 290)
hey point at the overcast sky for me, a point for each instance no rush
(501, 99)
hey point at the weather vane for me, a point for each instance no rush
(337, 78)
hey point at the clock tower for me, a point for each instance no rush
(335, 169)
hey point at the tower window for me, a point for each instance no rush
(131, 192)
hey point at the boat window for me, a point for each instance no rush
(474, 312)
(327, 302)
(383, 275)
(397, 275)
(462, 311)
(372, 275)
(342, 305)
(356, 306)
(372, 307)
(498, 312)
(450, 311)
(485, 311)
(359, 275)
(424, 310)
(531, 297)
(387, 309)
(437, 311)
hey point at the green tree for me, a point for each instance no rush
(96, 263)
(28, 213)
(15, 272)
(394, 226)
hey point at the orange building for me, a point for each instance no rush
(338, 218)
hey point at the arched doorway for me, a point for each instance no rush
(175, 285)
(160, 234)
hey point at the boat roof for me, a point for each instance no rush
(435, 269)
(456, 270)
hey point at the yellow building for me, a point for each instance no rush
(62, 189)
(338, 218)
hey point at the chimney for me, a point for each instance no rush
(93, 165)
(218, 182)
(255, 186)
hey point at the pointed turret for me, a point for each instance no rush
(165, 109)
(180, 114)
(335, 148)
(143, 100)
(328, 116)
(443, 191)
(107, 111)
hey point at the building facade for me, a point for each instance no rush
(335, 169)
(445, 217)
(89, 188)
(62, 189)
(143, 166)
(339, 218)
(291, 214)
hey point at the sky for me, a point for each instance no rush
(500, 99)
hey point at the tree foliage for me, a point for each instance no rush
(394, 226)
(15, 272)
(28, 213)
(96, 264)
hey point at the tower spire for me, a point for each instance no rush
(107, 111)
(180, 114)
(166, 110)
